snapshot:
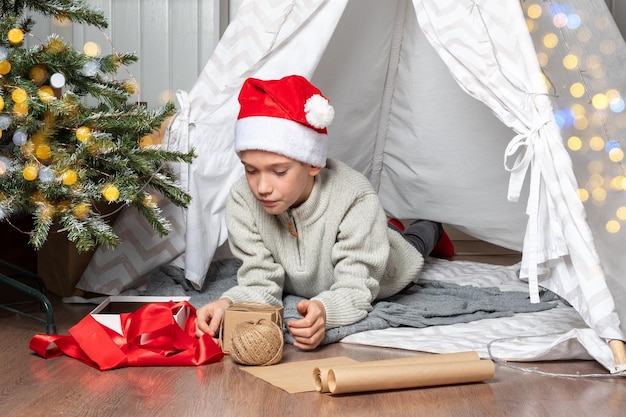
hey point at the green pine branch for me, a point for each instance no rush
(66, 152)
(75, 10)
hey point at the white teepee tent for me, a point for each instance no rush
(431, 96)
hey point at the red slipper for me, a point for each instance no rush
(397, 223)
(444, 248)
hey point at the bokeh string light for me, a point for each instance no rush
(585, 121)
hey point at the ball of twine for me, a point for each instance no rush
(258, 343)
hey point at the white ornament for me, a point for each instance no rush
(5, 165)
(57, 80)
(319, 113)
(91, 68)
(46, 175)
(4, 54)
(5, 122)
(20, 137)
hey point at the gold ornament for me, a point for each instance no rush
(28, 149)
(16, 36)
(83, 133)
(81, 210)
(20, 109)
(46, 210)
(42, 152)
(55, 45)
(30, 172)
(1, 103)
(69, 177)
(130, 86)
(46, 94)
(110, 192)
(38, 74)
(5, 67)
(19, 95)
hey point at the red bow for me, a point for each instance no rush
(150, 337)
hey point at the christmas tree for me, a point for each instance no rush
(62, 159)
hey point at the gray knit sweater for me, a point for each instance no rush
(344, 255)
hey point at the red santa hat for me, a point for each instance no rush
(287, 116)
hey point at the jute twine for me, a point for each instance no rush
(258, 343)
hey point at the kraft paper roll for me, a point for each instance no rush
(378, 378)
(320, 374)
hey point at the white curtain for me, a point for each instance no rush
(493, 60)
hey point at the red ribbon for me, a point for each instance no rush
(151, 337)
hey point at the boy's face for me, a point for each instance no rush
(277, 182)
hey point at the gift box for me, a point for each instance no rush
(108, 311)
(247, 312)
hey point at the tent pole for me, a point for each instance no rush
(619, 351)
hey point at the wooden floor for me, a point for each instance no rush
(33, 386)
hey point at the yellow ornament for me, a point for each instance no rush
(38, 74)
(43, 152)
(91, 49)
(5, 67)
(19, 95)
(110, 192)
(20, 109)
(82, 210)
(83, 133)
(46, 94)
(16, 36)
(69, 177)
(30, 173)
(1, 103)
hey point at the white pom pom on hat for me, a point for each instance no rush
(288, 116)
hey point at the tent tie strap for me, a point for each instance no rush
(518, 172)
(524, 159)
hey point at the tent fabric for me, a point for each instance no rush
(494, 60)
(404, 78)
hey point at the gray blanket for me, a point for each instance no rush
(428, 303)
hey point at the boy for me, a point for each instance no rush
(305, 225)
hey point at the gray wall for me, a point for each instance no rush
(173, 39)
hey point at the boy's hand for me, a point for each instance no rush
(209, 317)
(308, 332)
